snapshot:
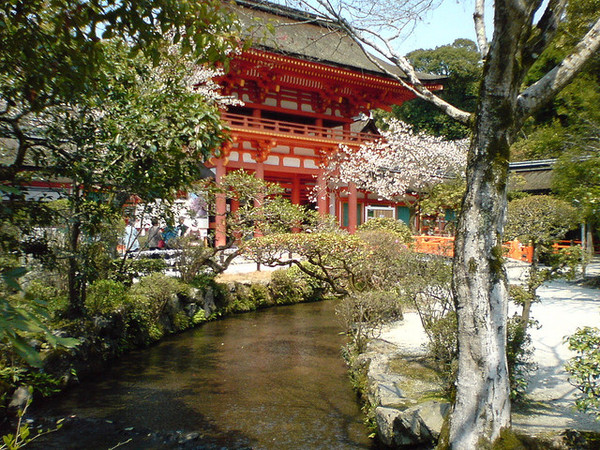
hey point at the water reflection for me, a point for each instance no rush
(271, 379)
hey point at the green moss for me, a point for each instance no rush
(472, 266)
(508, 440)
(421, 380)
(497, 261)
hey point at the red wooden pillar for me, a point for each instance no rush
(221, 206)
(352, 208)
(296, 197)
(296, 190)
(261, 156)
(321, 194)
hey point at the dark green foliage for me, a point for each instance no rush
(42, 383)
(567, 126)
(126, 271)
(22, 318)
(461, 63)
(106, 297)
(292, 285)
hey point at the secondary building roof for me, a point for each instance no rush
(536, 176)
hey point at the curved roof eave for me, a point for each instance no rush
(305, 36)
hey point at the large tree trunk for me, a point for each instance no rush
(482, 399)
(482, 408)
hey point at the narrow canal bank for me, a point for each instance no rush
(268, 379)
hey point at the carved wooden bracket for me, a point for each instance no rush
(263, 148)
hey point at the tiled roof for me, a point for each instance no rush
(303, 35)
(536, 176)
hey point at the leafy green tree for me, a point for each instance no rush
(565, 124)
(95, 94)
(460, 62)
(142, 132)
(584, 368)
(444, 196)
(539, 221)
(52, 52)
(576, 178)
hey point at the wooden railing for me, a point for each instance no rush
(435, 245)
(444, 246)
(270, 127)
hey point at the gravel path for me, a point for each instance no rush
(564, 306)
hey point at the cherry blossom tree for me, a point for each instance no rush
(403, 161)
(523, 29)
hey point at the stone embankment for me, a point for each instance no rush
(404, 391)
(402, 387)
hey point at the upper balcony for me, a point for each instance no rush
(294, 133)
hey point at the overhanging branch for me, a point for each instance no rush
(541, 92)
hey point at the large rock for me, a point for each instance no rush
(209, 301)
(19, 401)
(420, 424)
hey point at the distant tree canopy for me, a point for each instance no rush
(461, 63)
(569, 124)
(103, 96)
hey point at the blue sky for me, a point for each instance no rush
(451, 20)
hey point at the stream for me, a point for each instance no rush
(271, 379)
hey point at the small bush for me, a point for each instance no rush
(519, 356)
(363, 314)
(149, 299)
(443, 347)
(193, 257)
(289, 286)
(584, 368)
(385, 223)
(126, 271)
(566, 261)
(241, 300)
(105, 297)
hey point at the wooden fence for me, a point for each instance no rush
(444, 245)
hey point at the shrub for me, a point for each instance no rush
(158, 289)
(387, 261)
(130, 269)
(385, 223)
(519, 356)
(584, 368)
(364, 314)
(292, 285)
(148, 300)
(566, 261)
(105, 297)
(193, 257)
(443, 347)
(54, 297)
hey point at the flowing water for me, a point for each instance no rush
(272, 379)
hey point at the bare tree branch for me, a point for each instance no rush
(414, 85)
(546, 29)
(541, 92)
(478, 18)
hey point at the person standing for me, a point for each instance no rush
(182, 227)
(130, 237)
(154, 236)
